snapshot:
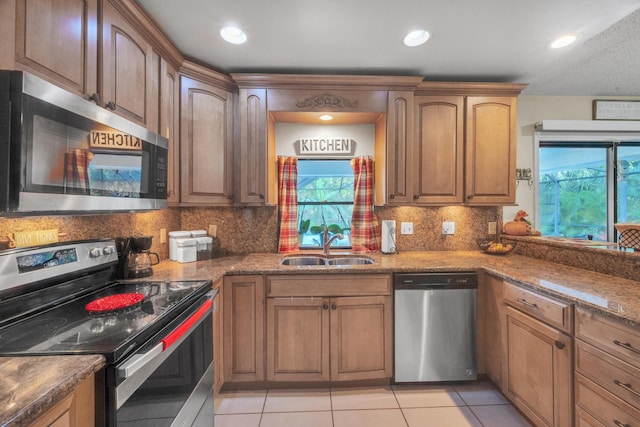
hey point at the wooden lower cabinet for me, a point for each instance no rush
(537, 371)
(75, 410)
(243, 316)
(218, 333)
(329, 339)
(298, 339)
(493, 308)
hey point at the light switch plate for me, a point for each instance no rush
(406, 228)
(448, 227)
(492, 228)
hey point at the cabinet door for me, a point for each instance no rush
(399, 164)
(130, 70)
(218, 364)
(298, 339)
(538, 370)
(169, 126)
(243, 312)
(253, 146)
(361, 332)
(206, 138)
(490, 150)
(439, 144)
(48, 46)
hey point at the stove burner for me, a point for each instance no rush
(113, 303)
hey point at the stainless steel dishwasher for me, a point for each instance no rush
(435, 326)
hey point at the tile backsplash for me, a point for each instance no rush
(255, 229)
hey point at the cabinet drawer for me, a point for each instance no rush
(583, 419)
(556, 313)
(615, 376)
(320, 285)
(603, 406)
(613, 337)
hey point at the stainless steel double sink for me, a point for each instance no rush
(328, 260)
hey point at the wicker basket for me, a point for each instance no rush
(629, 235)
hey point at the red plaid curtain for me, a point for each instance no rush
(288, 203)
(365, 232)
(77, 170)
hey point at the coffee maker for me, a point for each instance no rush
(134, 257)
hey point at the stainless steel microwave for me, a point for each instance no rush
(62, 154)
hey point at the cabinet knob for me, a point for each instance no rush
(333, 307)
(470, 196)
(95, 97)
(261, 196)
(560, 344)
(325, 306)
(416, 197)
(392, 196)
(230, 196)
(110, 105)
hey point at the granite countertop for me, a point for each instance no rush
(29, 386)
(612, 296)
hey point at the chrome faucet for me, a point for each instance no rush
(326, 241)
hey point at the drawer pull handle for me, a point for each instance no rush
(559, 344)
(619, 424)
(628, 387)
(626, 346)
(527, 303)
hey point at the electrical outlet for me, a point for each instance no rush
(492, 228)
(213, 230)
(406, 228)
(163, 235)
(448, 227)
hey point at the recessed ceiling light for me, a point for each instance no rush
(233, 35)
(564, 40)
(416, 38)
(326, 117)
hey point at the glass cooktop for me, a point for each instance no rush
(72, 329)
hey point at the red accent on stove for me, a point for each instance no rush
(114, 302)
(186, 325)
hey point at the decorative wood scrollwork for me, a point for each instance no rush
(327, 100)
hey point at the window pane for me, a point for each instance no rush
(325, 196)
(573, 192)
(628, 199)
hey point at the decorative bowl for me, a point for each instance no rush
(492, 247)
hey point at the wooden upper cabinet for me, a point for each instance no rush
(169, 126)
(439, 149)
(206, 143)
(57, 40)
(399, 167)
(252, 149)
(490, 165)
(130, 70)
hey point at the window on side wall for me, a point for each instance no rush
(325, 197)
(586, 187)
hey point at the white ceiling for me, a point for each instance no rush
(472, 40)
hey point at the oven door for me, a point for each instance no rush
(169, 381)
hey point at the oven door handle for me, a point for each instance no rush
(139, 361)
(186, 326)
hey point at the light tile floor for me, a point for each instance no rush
(476, 404)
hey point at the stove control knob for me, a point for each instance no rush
(95, 253)
(108, 250)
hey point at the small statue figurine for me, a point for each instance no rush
(520, 226)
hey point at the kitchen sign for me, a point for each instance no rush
(325, 147)
(114, 140)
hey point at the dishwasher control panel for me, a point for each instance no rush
(460, 280)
